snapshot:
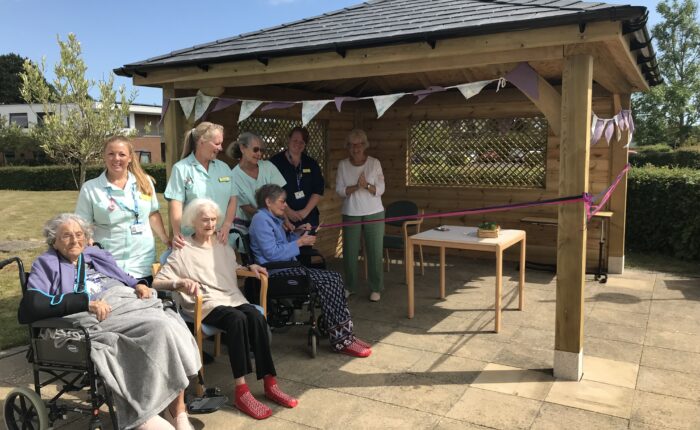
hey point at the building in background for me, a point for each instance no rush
(148, 141)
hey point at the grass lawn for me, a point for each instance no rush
(22, 216)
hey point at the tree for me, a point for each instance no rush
(11, 66)
(671, 111)
(74, 125)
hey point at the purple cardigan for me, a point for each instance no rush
(54, 275)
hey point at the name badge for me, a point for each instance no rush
(225, 179)
(146, 197)
(306, 170)
(137, 228)
(299, 195)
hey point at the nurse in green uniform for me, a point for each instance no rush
(122, 206)
(199, 174)
(251, 173)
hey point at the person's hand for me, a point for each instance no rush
(222, 234)
(304, 227)
(362, 181)
(295, 215)
(288, 225)
(306, 240)
(142, 291)
(187, 286)
(179, 241)
(258, 270)
(100, 308)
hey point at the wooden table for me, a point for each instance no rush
(460, 237)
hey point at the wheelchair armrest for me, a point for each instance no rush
(56, 323)
(273, 265)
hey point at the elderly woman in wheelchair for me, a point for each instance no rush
(269, 242)
(144, 355)
(208, 268)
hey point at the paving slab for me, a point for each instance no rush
(556, 417)
(495, 410)
(619, 373)
(673, 340)
(514, 381)
(593, 396)
(659, 411)
(671, 359)
(669, 382)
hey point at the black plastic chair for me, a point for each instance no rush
(402, 208)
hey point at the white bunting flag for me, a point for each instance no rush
(186, 103)
(473, 88)
(310, 108)
(247, 109)
(383, 103)
(201, 104)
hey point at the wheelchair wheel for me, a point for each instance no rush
(24, 409)
(313, 343)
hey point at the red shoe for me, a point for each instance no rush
(246, 403)
(362, 342)
(273, 392)
(356, 350)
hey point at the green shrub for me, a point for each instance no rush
(685, 157)
(663, 211)
(660, 147)
(56, 178)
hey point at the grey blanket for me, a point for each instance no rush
(144, 354)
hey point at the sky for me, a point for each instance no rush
(114, 33)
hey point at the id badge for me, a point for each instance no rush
(299, 195)
(137, 228)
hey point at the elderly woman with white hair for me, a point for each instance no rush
(360, 181)
(208, 268)
(144, 353)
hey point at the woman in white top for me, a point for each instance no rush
(360, 181)
(122, 205)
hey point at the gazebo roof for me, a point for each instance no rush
(383, 22)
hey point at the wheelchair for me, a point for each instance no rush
(287, 294)
(69, 365)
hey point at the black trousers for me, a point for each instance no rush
(245, 329)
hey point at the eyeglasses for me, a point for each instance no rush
(66, 237)
(256, 149)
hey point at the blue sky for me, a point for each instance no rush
(114, 33)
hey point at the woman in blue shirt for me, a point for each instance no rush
(122, 205)
(270, 242)
(199, 174)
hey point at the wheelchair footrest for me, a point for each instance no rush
(206, 405)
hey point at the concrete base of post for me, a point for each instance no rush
(568, 365)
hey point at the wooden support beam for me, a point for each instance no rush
(511, 47)
(605, 71)
(577, 82)
(619, 156)
(549, 103)
(174, 126)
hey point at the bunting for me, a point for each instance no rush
(606, 128)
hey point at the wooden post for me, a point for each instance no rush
(173, 129)
(618, 200)
(571, 237)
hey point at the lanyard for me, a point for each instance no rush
(297, 169)
(114, 201)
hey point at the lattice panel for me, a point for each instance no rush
(275, 131)
(497, 153)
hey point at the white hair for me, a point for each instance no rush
(51, 227)
(195, 207)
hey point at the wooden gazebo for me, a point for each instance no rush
(589, 58)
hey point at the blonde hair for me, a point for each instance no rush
(144, 181)
(357, 134)
(204, 131)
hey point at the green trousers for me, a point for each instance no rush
(374, 245)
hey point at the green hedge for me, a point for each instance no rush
(686, 157)
(663, 211)
(56, 178)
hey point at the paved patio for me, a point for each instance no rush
(446, 369)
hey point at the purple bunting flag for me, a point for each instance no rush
(222, 104)
(421, 94)
(526, 79)
(339, 101)
(166, 103)
(277, 105)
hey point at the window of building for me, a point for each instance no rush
(275, 133)
(20, 119)
(478, 152)
(144, 157)
(40, 117)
